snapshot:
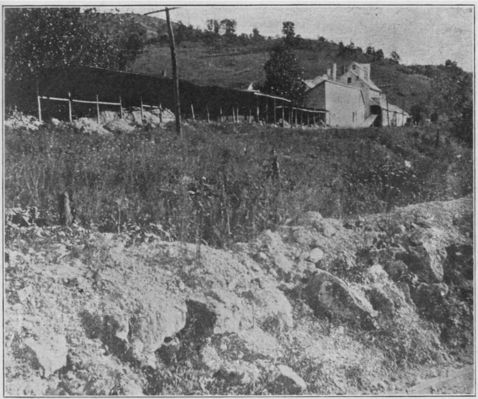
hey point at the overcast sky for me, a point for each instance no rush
(420, 34)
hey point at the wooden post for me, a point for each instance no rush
(97, 109)
(70, 108)
(121, 108)
(283, 115)
(267, 111)
(258, 114)
(207, 112)
(39, 102)
(192, 112)
(308, 119)
(175, 74)
(388, 115)
(141, 108)
(220, 114)
(160, 113)
(274, 105)
(290, 116)
(250, 116)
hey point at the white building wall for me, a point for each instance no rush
(345, 105)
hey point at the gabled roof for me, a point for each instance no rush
(311, 83)
(369, 83)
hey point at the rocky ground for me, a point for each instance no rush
(374, 305)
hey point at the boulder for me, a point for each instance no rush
(316, 255)
(288, 381)
(425, 254)
(272, 244)
(50, 351)
(329, 295)
(238, 373)
(310, 218)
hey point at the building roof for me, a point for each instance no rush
(368, 82)
(311, 83)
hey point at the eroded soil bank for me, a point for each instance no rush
(371, 305)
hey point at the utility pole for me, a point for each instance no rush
(174, 68)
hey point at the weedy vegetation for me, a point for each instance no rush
(236, 179)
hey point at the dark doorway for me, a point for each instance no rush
(376, 110)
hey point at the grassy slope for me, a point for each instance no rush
(237, 65)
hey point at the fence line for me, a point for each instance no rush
(293, 112)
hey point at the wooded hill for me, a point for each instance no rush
(237, 60)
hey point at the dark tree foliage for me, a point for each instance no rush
(256, 36)
(395, 57)
(130, 42)
(40, 38)
(213, 26)
(288, 30)
(283, 74)
(228, 27)
(452, 96)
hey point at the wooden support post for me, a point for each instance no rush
(274, 105)
(290, 116)
(237, 114)
(283, 116)
(258, 113)
(70, 108)
(39, 103)
(220, 114)
(207, 112)
(192, 112)
(388, 115)
(121, 108)
(141, 108)
(160, 113)
(97, 109)
(295, 117)
(267, 111)
(250, 116)
(308, 119)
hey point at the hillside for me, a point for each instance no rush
(238, 66)
(208, 60)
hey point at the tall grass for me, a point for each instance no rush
(225, 191)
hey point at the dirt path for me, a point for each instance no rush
(455, 381)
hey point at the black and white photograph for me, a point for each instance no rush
(238, 199)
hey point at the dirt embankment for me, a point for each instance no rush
(321, 306)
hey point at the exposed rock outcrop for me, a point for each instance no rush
(319, 306)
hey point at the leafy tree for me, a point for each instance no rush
(130, 41)
(40, 38)
(452, 96)
(213, 25)
(283, 74)
(418, 113)
(256, 36)
(379, 55)
(288, 29)
(395, 57)
(228, 26)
